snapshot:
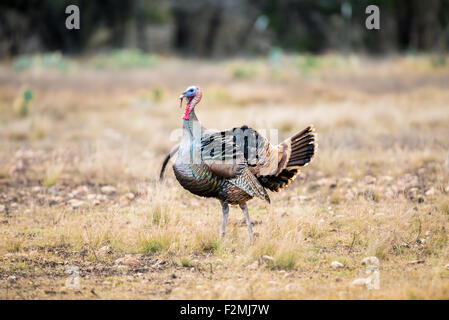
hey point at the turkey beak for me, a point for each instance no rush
(180, 99)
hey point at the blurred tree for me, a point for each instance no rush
(219, 28)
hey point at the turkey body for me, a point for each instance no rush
(197, 177)
(200, 180)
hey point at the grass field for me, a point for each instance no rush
(79, 166)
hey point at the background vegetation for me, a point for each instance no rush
(220, 28)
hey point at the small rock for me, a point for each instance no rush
(370, 261)
(431, 192)
(266, 258)
(124, 201)
(52, 190)
(421, 241)
(131, 262)
(359, 282)
(336, 265)
(422, 171)
(412, 192)
(2, 208)
(370, 180)
(292, 287)
(76, 203)
(254, 265)
(91, 196)
(158, 264)
(55, 200)
(130, 196)
(379, 214)
(446, 267)
(127, 261)
(386, 179)
(104, 250)
(349, 195)
(109, 190)
(405, 245)
(416, 262)
(347, 180)
(322, 182)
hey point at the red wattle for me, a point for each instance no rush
(186, 113)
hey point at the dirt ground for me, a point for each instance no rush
(79, 189)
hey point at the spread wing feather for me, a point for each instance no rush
(226, 155)
(251, 163)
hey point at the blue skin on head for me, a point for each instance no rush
(190, 92)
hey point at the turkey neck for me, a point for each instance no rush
(189, 149)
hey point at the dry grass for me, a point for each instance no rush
(378, 187)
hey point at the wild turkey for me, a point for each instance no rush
(235, 165)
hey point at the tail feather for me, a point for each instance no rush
(302, 148)
(295, 152)
(165, 162)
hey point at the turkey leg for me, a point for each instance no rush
(244, 208)
(225, 209)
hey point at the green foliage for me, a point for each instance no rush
(27, 95)
(52, 60)
(438, 62)
(123, 59)
(186, 262)
(243, 72)
(158, 217)
(444, 207)
(157, 94)
(50, 179)
(22, 102)
(209, 245)
(335, 198)
(14, 246)
(274, 57)
(22, 63)
(151, 246)
(284, 260)
(308, 64)
(156, 11)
